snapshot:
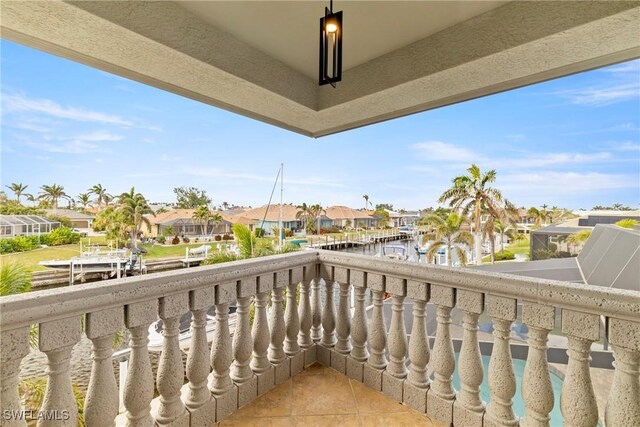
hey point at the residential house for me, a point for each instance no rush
(25, 225)
(81, 220)
(182, 223)
(341, 216)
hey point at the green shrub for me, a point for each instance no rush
(539, 254)
(175, 240)
(22, 244)
(627, 223)
(259, 232)
(63, 220)
(185, 240)
(217, 238)
(562, 254)
(6, 246)
(552, 247)
(14, 279)
(219, 258)
(227, 237)
(504, 255)
(63, 236)
(161, 239)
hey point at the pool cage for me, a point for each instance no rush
(25, 225)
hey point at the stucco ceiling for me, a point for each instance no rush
(288, 30)
(259, 58)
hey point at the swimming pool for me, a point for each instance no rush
(518, 403)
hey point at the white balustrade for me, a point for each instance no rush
(397, 340)
(316, 310)
(419, 353)
(378, 335)
(305, 316)
(292, 322)
(15, 345)
(359, 327)
(328, 316)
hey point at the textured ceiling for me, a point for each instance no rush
(288, 30)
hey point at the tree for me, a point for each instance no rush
(471, 194)
(18, 189)
(202, 215)
(381, 216)
(31, 198)
(366, 201)
(102, 197)
(303, 214)
(387, 206)
(215, 219)
(316, 211)
(51, 194)
(191, 197)
(133, 207)
(577, 239)
(539, 216)
(84, 199)
(225, 205)
(448, 233)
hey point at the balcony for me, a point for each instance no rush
(320, 327)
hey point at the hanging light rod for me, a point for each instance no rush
(330, 51)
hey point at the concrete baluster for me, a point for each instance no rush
(359, 352)
(377, 361)
(277, 327)
(328, 317)
(242, 346)
(221, 353)
(138, 389)
(537, 391)
(441, 394)
(101, 402)
(260, 333)
(304, 313)
(170, 376)
(56, 339)
(15, 346)
(417, 384)
(577, 399)
(468, 408)
(343, 322)
(291, 347)
(316, 310)
(623, 405)
(198, 400)
(502, 379)
(393, 378)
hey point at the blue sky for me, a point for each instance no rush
(572, 142)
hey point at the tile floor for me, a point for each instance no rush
(320, 396)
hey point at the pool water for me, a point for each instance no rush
(518, 403)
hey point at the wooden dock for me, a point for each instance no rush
(352, 240)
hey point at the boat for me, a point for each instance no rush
(398, 252)
(184, 329)
(408, 230)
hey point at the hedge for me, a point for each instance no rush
(59, 236)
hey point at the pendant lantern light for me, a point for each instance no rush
(330, 65)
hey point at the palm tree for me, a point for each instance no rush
(31, 198)
(202, 215)
(316, 211)
(225, 205)
(448, 233)
(133, 207)
(84, 199)
(471, 194)
(101, 194)
(303, 214)
(18, 189)
(539, 216)
(215, 219)
(51, 194)
(366, 201)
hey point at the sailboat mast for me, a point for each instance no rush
(280, 230)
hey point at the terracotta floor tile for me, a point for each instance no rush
(398, 419)
(327, 421)
(318, 369)
(275, 403)
(257, 422)
(322, 395)
(369, 401)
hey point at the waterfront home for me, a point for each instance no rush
(257, 59)
(338, 216)
(182, 223)
(25, 225)
(79, 219)
(267, 217)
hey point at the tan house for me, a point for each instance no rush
(183, 223)
(268, 217)
(343, 216)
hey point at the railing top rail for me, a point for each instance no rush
(25, 309)
(621, 304)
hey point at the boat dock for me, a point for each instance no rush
(351, 240)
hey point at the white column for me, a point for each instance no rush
(328, 317)
(221, 353)
(537, 391)
(278, 329)
(138, 389)
(292, 323)
(198, 361)
(343, 323)
(442, 356)
(260, 333)
(377, 336)
(101, 403)
(316, 310)
(397, 340)
(304, 313)
(15, 345)
(623, 405)
(502, 379)
(359, 327)
(419, 347)
(56, 340)
(170, 375)
(240, 370)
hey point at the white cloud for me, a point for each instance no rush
(597, 97)
(444, 151)
(18, 103)
(70, 147)
(629, 67)
(627, 146)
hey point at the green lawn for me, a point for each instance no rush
(517, 247)
(31, 259)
